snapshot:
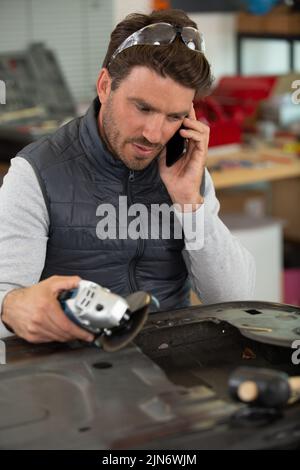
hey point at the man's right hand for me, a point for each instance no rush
(35, 314)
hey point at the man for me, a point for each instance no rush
(52, 193)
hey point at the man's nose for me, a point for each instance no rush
(153, 130)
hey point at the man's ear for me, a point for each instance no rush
(103, 85)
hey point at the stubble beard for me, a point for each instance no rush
(114, 143)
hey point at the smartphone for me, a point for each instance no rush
(176, 148)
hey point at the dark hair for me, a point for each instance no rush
(185, 66)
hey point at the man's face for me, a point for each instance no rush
(141, 115)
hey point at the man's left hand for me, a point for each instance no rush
(183, 179)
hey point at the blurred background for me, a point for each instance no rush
(51, 54)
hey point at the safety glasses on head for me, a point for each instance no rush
(158, 34)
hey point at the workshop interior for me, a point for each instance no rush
(219, 375)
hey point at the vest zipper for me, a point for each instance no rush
(131, 176)
(140, 242)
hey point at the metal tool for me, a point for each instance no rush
(113, 319)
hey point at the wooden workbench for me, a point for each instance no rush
(283, 173)
(281, 167)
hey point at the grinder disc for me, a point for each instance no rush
(139, 305)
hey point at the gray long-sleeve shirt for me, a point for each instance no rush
(220, 270)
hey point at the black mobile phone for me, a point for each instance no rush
(176, 148)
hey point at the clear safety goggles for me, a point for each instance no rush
(159, 34)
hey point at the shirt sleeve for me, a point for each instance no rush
(24, 230)
(220, 268)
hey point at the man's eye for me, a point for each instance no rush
(175, 118)
(143, 109)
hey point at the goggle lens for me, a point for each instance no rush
(159, 34)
